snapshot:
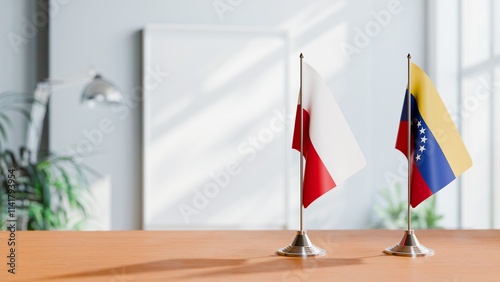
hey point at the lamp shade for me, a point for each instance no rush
(101, 90)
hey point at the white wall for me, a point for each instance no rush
(17, 57)
(369, 87)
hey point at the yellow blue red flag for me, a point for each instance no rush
(438, 154)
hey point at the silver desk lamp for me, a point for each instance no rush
(97, 90)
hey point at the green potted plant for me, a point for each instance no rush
(392, 213)
(51, 192)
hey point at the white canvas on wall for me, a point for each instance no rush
(215, 128)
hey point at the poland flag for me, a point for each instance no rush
(330, 150)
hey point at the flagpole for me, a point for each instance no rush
(409, 246)
(409, 140)
(301, 245)
(301, 148)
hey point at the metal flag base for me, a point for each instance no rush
(409, 247)
(301, 247)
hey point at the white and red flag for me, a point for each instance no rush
(330, 150)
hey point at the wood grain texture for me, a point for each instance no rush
(353, 255)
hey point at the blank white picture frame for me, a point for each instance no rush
(216, 130)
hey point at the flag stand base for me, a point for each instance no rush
(409, 247)
(301, 247)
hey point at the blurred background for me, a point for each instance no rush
(201, 138)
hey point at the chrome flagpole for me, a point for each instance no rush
(301, 245)
(408, 155)
(409, 245)
(301, 206)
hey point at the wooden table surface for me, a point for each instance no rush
(353, 255)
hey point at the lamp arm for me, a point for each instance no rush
(42, 94)
(57, 83)
(38, 110)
